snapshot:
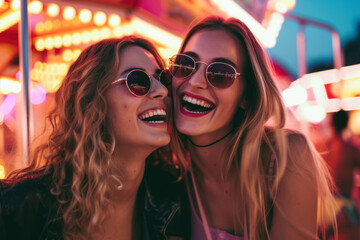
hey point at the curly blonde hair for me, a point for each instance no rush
(252, 135)
(78, 153)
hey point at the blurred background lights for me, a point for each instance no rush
(99, 18)
(2, 2)
(15, 4)
(53, 10)
(294, 95)
(8, 85)
(35, 7)
(69, 13)
(76, 38)
(7, 105)
(2, 172)
(284, 6)
(57, 41)
(67, 55)
(67, 40)
(312, 113)
(37, 95)
(85, 15)
(49, 43)
(114, 20)
(40, 44)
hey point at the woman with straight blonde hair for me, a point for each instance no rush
(91, 180)
(249, 178)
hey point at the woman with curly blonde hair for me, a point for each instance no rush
(249, 178)
(90, 180)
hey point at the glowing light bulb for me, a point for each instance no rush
(35, 7)
(40, 45)
(85, 15)
(67, 55)
(114, 20)
(69, 13)
(15, 4)
(49, 43)
(99, 18)
(53, 10)
(57, 41)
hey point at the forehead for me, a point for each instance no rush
(137, 57)
(210, 44)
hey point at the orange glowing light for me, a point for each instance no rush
(40, 45)
(15, 4)
(35, 7)
(53, 10)
(49, 43)
(69, 13)
(114, 20)
(48, 25)
(67, 40)
(2, 172)
(76, 38)
(85, 37)
(39, 27)
(85, 15)
(283, 6)
(57, 41)
(99, 18)
(67, 55)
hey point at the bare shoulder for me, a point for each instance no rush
(301, 152)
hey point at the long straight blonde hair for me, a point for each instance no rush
(252, 132)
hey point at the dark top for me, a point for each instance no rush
(29, 211)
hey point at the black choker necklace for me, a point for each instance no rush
(207, 145)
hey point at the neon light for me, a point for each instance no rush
(154, 33)
(9, 85)
(53, 10)
(85, 15)
(114, 20)
(232, 9)
(35, 7)
(2, 172)
(8, 19)
(15, 4)
(38, 95)
(8, 105)
(294, 95)
(69, 13)
(312, 113)
(100, 18)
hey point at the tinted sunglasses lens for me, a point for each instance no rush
(181, 66)
(165, 78)
(138, 83)
(221, 75)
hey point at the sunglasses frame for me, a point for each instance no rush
(149, 76)
(206, 69)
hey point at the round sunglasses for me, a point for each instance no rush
(139, 83)
(218, 74)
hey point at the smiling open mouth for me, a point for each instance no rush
(154, 116)
(195, 105)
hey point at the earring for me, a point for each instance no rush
(119, 186)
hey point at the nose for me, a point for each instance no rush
(157, 90)
(198, 78)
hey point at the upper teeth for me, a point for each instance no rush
(151, 113)
(196, 101)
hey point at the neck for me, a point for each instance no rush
(208, 161)
(127, 173)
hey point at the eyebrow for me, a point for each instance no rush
(130, 69)
(224, 60)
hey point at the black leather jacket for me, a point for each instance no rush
(29, 211)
